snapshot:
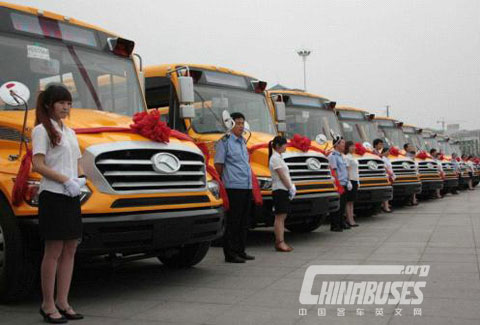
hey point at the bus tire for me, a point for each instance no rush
(186, 256)
(18, 269)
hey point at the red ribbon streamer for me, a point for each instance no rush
(20, 186)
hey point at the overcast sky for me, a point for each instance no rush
(421, 57)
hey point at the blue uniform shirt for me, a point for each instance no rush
(231, 151)
(338, 163)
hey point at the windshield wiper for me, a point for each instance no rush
(86, 78)
(211, 110)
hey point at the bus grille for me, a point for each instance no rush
(404, 168)
(371, 168)
(133, 171)
(308, 168)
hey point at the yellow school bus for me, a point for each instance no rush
(312, 115)
(407, 180)
(427, 167)
(220, 90)
(451, 180)
(132, 207)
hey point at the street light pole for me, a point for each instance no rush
(304, 54)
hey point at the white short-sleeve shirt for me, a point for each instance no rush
(352, 165)
(276, 162)
(63, 158)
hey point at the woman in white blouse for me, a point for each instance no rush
(55, 157)
(283, 190)
(391, 175)
(352, 187)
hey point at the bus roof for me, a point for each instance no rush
(386, 118)
(163, 69)
(349, 108)
(52, 15)
(297, 93)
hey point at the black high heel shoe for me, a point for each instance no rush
(47, 317)
(70, 316)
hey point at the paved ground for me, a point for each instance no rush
(444, 234)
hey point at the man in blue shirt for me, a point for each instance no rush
(233, 164)
(338, 164)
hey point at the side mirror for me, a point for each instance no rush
(280, 111)
(321, 139)
(246, 126)
(14, 93)
(368, 145)
(187, 111)
(186, 94)
(228, 122)
(282, 127)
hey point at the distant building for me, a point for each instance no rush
(452, 128)
(468, 140)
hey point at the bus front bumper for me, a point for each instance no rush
(303, 206)
(145, 232)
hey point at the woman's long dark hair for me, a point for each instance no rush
(44, 110)
(348, 144)
(278, 141)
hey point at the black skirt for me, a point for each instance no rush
(352, 194)
(59, 216)
(281, 202)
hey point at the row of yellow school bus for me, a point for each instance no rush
(147, 198)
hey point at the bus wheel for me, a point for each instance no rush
(307, 226)
(17, 266)
(185, 256)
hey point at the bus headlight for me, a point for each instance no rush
(265, 183)
(33, 186)
(214, 188)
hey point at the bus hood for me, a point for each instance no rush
(84, 119)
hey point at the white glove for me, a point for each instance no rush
(81, 181)
(72, 187)
(291, 192)
(349, 186)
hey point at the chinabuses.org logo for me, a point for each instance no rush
(369, 292)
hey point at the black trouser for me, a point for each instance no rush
(237, 222)
(337, 217)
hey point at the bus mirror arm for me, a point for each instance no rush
(16, 94)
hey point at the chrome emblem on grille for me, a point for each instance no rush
(372, 165)
(165, 163)
(431, 166)
(406, 165)
(313, 164)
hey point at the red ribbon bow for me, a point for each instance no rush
(394, 151)
(422, 155)
(360, 149)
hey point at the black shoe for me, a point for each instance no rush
(346, 225)
(49, 319)
(70, 316)
(336, 229)
(353, 225)
(234, 259)
(246, 257)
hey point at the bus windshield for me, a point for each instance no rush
(311, 122)
(359, 130)
(211, 101)
(430, 142)
(393, 136)
(414, 138)
(97, 80)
